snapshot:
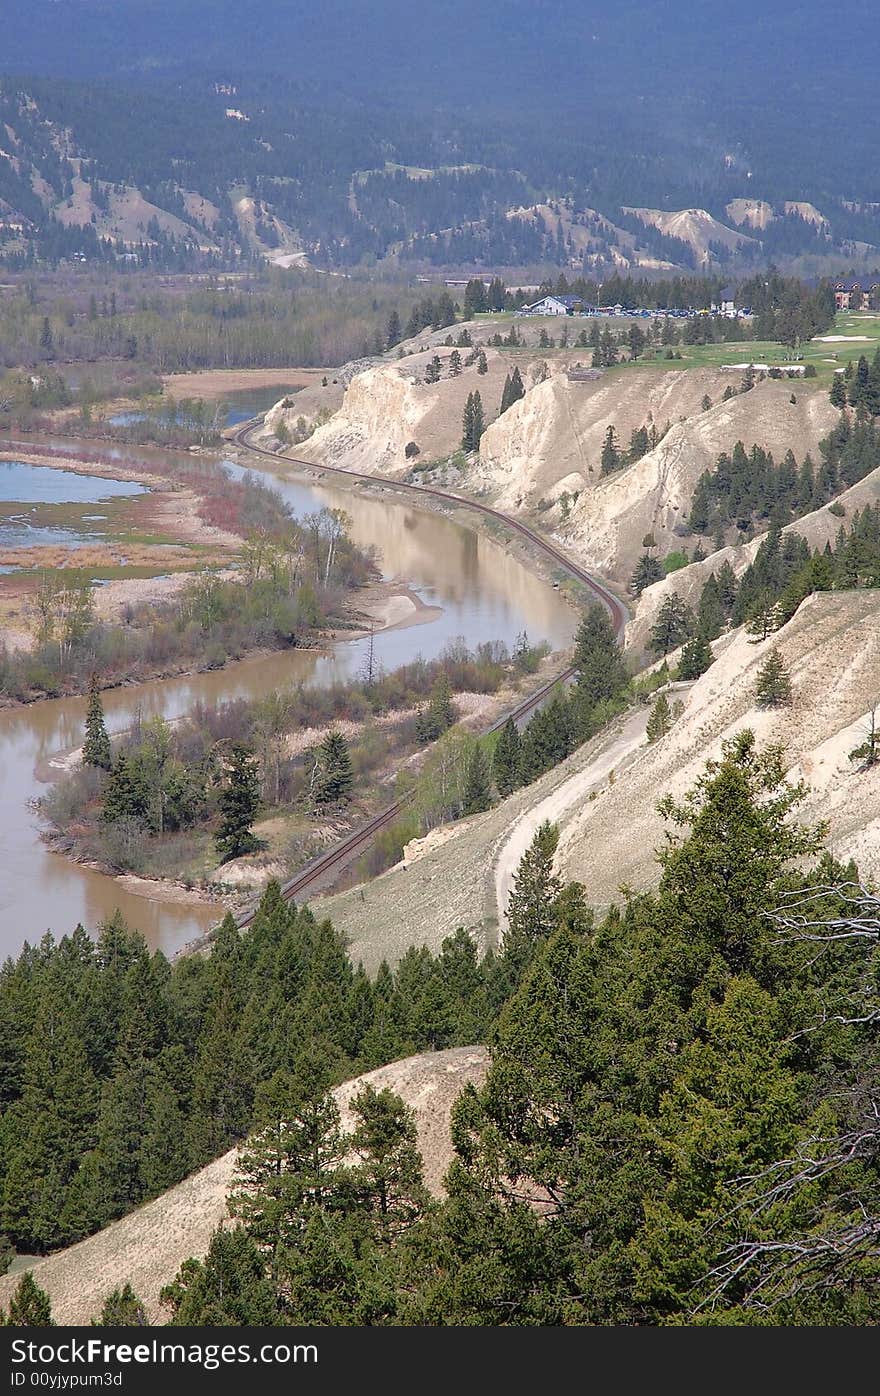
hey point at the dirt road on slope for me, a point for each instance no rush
(621, 748)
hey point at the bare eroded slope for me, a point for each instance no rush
(832, 648)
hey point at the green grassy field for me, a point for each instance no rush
(860, 331)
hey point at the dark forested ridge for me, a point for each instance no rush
(659, 106)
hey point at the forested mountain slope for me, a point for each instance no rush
(356, 139)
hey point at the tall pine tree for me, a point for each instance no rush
(96, 747)
(505, 758)
(239, 805)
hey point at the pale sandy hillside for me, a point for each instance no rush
(751, 213)
(607, 524)
(147, 1248)
(809, 212)
(555, 433)
(551, 441)
(128, 215)
(819, 528)
(250, 216)
(604, 795)
(448, 879)
(592, 235)
(200, 209)
(388, 405)
(549, 444)
(832, 648)
(694, 226)
(758, 214)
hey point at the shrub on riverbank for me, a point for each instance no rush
(157, 810)
(293, 574)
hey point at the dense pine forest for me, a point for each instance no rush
(673, 1130)
(362, 154)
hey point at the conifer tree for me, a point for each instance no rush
(335, 775)
(467, 424)
(867, 753)
(48, 1129)
(432, 370)
(639, 444)
(126, 795)
(222, 1093)
(482, 365)
(291, 1160)
(531, 905)
(607, 349)
(711, 617)
(477, 794)
(239, 805)
(728, 588)
(506, 757)
(660, 719)
(636, 340)
(390, 1165)
(598, 658)
(393, 333)
(610, 460)
(122, 1309)
(96, 747)
(773, 686)
(696, 658)
(29, 1306)
(648, 570)
(228, 1288)
(514, 389)
(674, 624)
(164, 1155)
(764, 617)
(478, 422)
(441, 713)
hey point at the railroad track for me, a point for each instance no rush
(543, 545)
(353, 843)
(342, 853)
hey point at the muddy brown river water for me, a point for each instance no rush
(485, 594)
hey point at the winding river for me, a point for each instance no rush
(485, 594)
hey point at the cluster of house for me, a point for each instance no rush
(856, 295)
(576, 305)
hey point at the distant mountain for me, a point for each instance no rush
(278, 127)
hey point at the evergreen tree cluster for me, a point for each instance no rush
(859, 386)
(440, 714)
(649, 1147)
(641, 440)
(747, 487)
(480, 298)
(678, 1125)
(785, 571)
(333, 773)
(121, 1073)
(513, 390)
(430, 314)
(569, 718)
